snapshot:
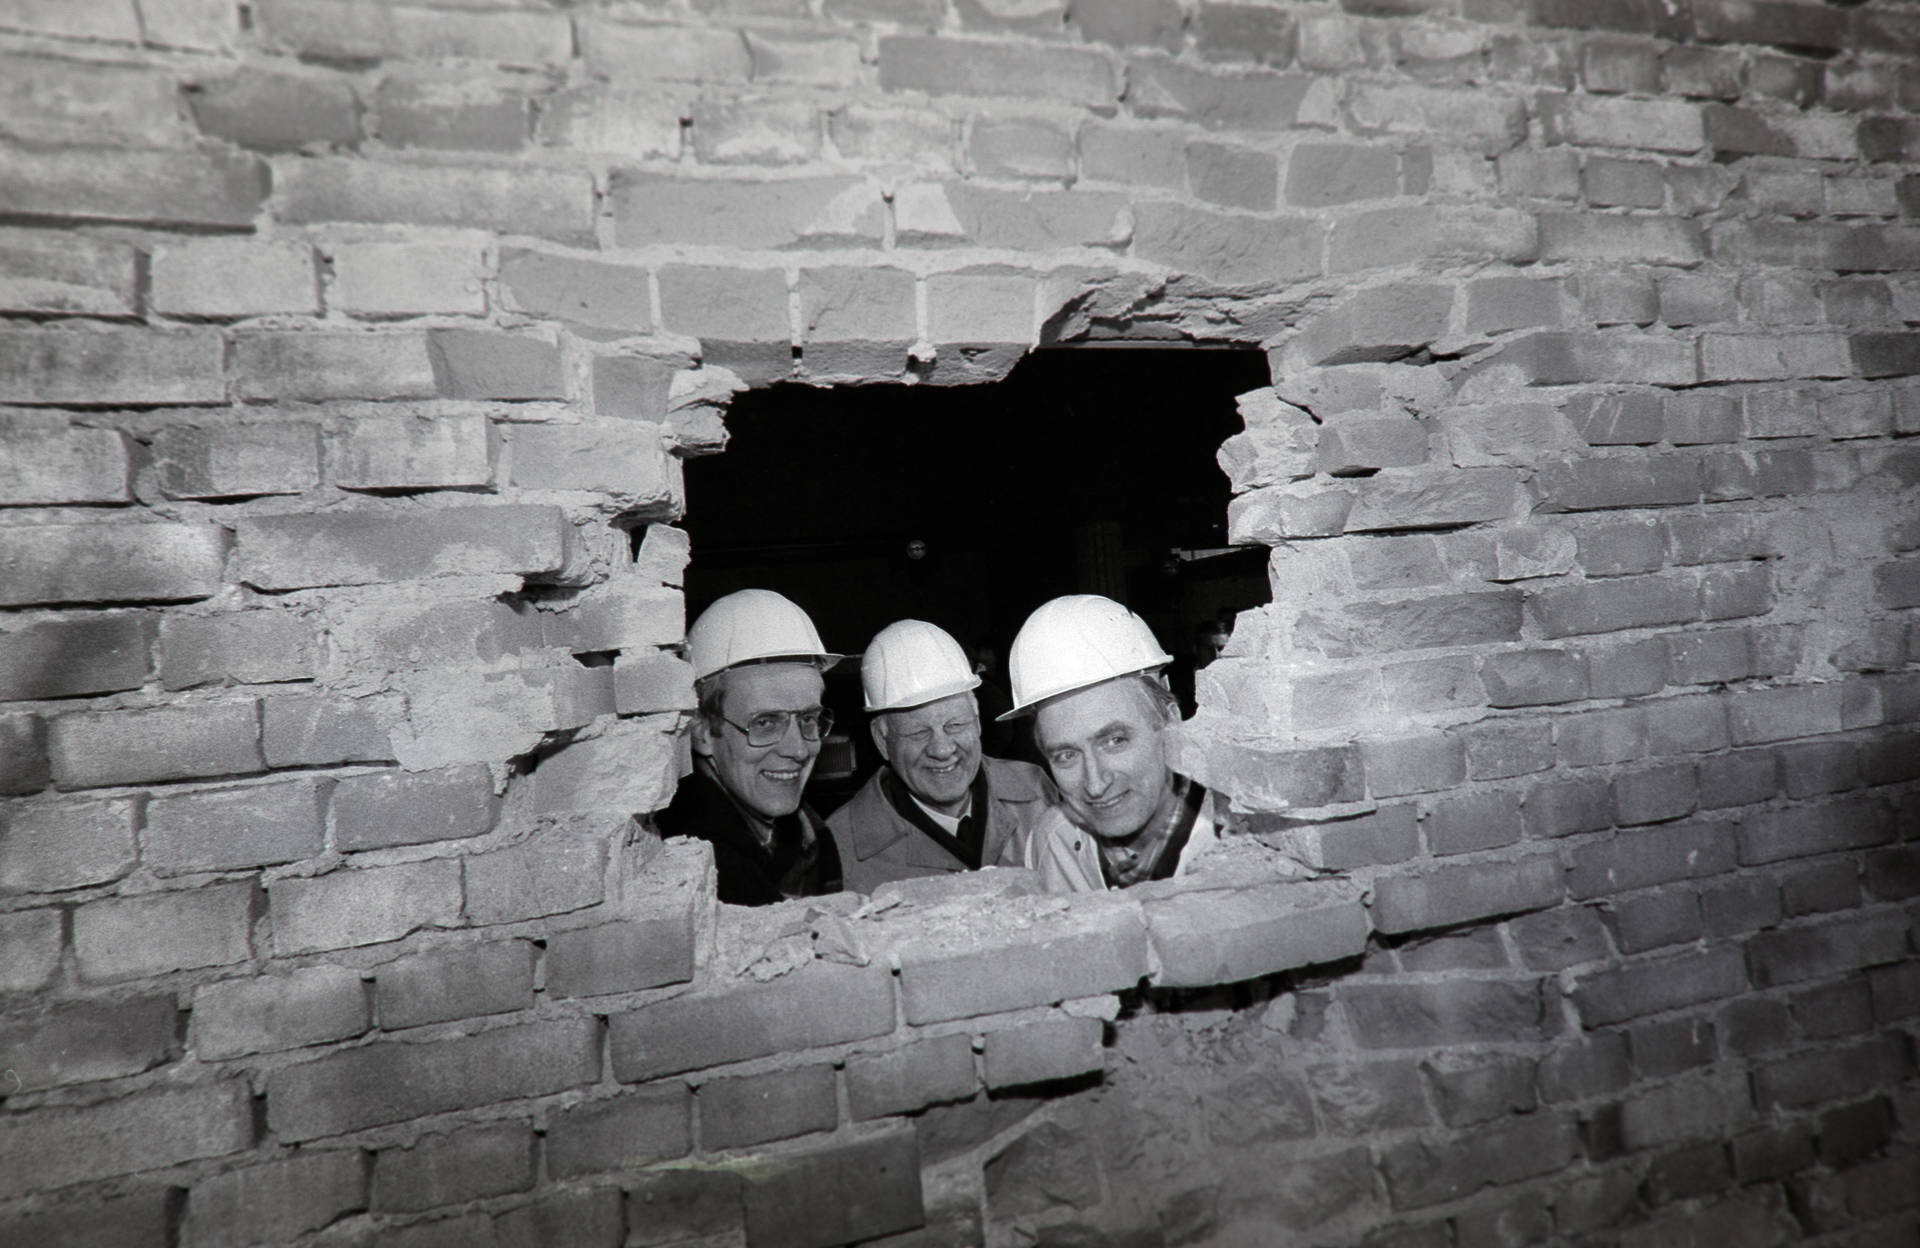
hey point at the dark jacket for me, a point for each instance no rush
(882, 835)
(802, 862)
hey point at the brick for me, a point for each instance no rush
(1020, 147)
(1762, 715)
(820, 1004)
(1393, 237)
(1321, 175)
(23, 755)
(322, 730)
(622, 956)
(1617, 481)
(454, 113)
(1816, 767)
(86, 1041)
(331, 364)
(911, 1077)
(1108, 951)
(1479, 1089)
(1556, 939)
(236, 461)
(52, 1148)
(272, 112)
(621, 1132)
(245, 647)
(275, 1012)
(625, 458)
(1656, 921)
(53, 272)
(559, 205)
(1534, 677)
(89, 750)
(1737, 779)
(1601, 121)
(60, 563)
(389, 1082)
(550, 876)
(466, 982)
(1712, 657)
(1632, 602)
(1423, 764)
(1560, 808)
(347, 908)
(357, 548)
(1445, 896)
(1549, 174)
(471, 1163)
(1654, 987)
(1831, 1073)
(753, 1109)
(1235, 32)
(1419, 1174)
(652, 208)
(1134, 157)
(1233, 176)
(151, 934)
(66, 464)
(1792, 26)
(1456, 1011)
(484, 364)
(1218, 938)
(1794, 954)
(412, 808)
(230, 829)
(1820, 888)
(669, 1205)
(1023, 220)
(1413, 624)
(407, 279)
(1701, 419)
(33, 937)
(837, 1194)
(1620, 240)
(410, 453)
(1384, 323)
(216, 189)
(588, 292)
(1054, 1049)
(1628, 669)
(1758, 474)
(74, 656)
(225, 278)
(276, 1201)
(1498, 749)
(1605, 299)
(1641, 859)
(1460, 825)
(1775, 357)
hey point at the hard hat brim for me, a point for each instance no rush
(824, 662)
(1027, 709)
(968, 687)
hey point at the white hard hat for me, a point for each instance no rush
(911, 663)
(754, 626)
(1076, 642)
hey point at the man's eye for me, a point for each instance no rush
(919, 736)
(960, 729)
(767, 723)
(1117, 741)
(1064, 758)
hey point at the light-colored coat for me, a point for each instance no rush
(877, 844)
(1067, 856)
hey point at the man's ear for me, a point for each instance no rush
(702, 736)
(880, 738)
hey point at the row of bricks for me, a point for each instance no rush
(1392, 320)
(1368, 695)
(859, 1187)
(1419, 895)
(1560, 806)
(336, 31)
(736, 1111)
(61, 466)
(1435, 496)
(81, 654)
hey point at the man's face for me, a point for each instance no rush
(765, 779)
(934, 749)
(1106, 748)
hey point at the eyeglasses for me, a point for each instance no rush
(770, 727)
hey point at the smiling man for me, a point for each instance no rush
(1087, 670)
(757, 663)
(938, 805)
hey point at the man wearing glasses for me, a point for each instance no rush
(757, 662)
(938, 805)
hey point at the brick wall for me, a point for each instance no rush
(349, 354)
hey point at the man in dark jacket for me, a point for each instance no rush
(757, 662)
(938, 805)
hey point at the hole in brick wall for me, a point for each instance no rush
(1085, 471)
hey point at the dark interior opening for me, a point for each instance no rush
(1085, 471)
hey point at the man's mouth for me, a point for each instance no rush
(782, 777)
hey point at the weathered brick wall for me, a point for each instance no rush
(350, 350)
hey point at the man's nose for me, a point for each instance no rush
(794, 744)
(1095, 777)
(942, 746)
